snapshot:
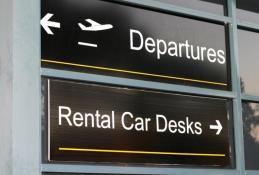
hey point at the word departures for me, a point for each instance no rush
(173, 49)
(96, 123)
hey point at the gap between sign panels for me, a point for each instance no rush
(139, 152)
(133, 72)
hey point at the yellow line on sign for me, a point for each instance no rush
(134, 72)
(140, 152)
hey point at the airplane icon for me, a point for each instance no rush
(95, 26)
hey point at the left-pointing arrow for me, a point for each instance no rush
(46, 24)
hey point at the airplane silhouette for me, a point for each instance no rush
(95, 26)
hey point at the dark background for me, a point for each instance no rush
(114, 45)
(88, 98)
(251, 117)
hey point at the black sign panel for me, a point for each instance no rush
(104, 124)
(108, 38)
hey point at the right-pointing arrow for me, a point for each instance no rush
(217, 127)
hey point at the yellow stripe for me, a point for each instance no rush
(139, 152)
(133, 72)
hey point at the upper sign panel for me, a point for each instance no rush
(112, 39)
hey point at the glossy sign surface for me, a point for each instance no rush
(118, 40)
(93, 123)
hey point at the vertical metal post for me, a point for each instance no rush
(26, 134)
(236, 87)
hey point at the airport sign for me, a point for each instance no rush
(131, 42)
(103, 124)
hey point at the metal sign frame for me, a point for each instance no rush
(235, 94)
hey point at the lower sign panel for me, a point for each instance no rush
(94, 123)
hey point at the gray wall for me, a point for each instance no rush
(5, 87)
(19, 87)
